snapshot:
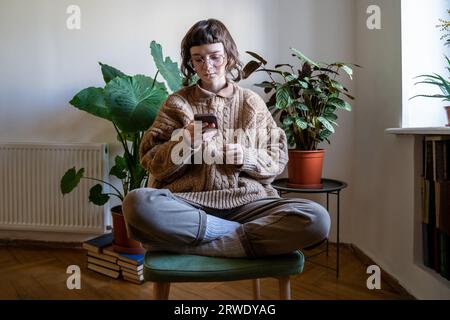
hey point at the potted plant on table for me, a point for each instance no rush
(306, 103)
(436, 79)
(131, 104)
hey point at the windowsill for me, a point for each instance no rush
(419, 131)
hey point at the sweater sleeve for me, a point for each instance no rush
(266, 156)
(158, 147)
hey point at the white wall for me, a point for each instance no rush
(383, 210)
(44, 64)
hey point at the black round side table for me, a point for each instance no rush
(329, 186)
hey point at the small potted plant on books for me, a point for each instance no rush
(131, 104)
(306, 102)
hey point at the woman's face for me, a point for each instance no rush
(209, 61)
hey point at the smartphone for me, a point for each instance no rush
(206, 117)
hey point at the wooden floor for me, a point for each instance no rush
(40, 273)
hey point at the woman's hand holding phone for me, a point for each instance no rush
(209, 129)
(190, 128)
(233, 152)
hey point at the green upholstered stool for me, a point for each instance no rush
(162, 268)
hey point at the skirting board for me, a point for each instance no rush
(386, 277)
(44, 239)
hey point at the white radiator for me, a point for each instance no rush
(30, 196)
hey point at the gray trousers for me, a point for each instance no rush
(269, 226)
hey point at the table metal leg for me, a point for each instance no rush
(337, 240)
(328, 211)
(336, 192)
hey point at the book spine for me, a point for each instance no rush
(133, 280)
(444, 255)
(431, 226)
(437, 203)
(437, 250)
(429, 160)
(425, 246)
(425, 201)
(439, 160)
(444, 217)
(91, 248)
(103, 263)
(104, 271)
(445, 147)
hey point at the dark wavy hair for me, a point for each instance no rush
(208, 32)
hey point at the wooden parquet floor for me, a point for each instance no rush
(40, 273)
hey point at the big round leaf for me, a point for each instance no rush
(92, 100)
(168, 69)
(109, 72)
(133, 102)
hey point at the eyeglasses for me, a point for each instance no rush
(215, 60)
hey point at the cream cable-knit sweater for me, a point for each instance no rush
(219, 186)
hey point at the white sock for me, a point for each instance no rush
(218, 227)
(228, 245)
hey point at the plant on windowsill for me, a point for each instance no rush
(306, 102)
(440, 82)
(437, 79)
(131, 104)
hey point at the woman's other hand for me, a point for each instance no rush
(234, 154)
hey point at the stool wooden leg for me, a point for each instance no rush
(161, 290)
(256, 289)
(285, 287)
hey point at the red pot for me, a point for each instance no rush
(305, 168)
(122, 243)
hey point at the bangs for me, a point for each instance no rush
(205, 35)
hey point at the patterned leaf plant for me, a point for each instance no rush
(306, 101)
(131, 104)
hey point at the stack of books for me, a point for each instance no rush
(436, 204)
(102, 258)
(131, 265)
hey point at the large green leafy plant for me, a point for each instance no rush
(131, 104)
(306, 98)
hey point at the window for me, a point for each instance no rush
(422, 53)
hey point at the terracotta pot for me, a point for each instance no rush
(447, 108)
(305, 168)
(122, 243)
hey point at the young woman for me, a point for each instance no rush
(220, 208)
